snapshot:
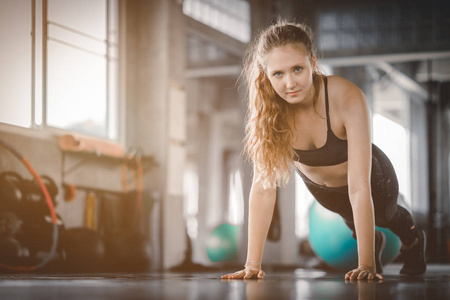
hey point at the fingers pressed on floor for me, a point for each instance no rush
(261, 274)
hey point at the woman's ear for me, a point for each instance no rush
(313, 62)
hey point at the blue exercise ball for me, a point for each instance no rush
(222, 243)
(332, 241)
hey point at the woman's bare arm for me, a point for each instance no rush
(357, 124)
(261, 205)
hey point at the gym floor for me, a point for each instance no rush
(297, 284)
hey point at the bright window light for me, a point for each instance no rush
(236, 199)
(190, 196)
(303, 202)
(392, 138)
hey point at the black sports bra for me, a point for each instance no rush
(334, 151)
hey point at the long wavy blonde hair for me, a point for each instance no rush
(269, 137)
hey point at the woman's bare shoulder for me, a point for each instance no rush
(343, 92)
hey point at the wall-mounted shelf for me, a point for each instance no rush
(130, 161)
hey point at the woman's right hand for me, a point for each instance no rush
(250, 272)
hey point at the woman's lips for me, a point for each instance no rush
(293, 93)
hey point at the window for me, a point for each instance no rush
(235, 198)
(231, 17)
(16, 63)
(391, 129)
(190, 196)
(392, 138)
(65, 74)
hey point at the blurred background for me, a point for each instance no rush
(149, 93)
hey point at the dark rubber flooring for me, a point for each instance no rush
(298, 284)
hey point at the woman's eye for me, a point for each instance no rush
(277, 74)
(298, 69)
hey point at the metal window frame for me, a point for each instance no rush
(39, 35)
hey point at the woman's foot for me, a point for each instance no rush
(414, 263)
(380, 242)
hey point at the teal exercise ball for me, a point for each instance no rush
(222, 243)
(332, 241)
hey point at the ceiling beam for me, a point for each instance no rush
(225, 42)
(403, 80)
(350, 61)
(216, 71)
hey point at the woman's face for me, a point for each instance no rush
(289, 69)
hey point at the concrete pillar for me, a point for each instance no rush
(155, 62)
(438, 170)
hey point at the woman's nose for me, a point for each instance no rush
(290, 82)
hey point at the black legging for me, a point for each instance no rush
(384, 186)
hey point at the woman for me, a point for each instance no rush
(297, 116)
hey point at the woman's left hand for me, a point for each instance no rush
(363, 273)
